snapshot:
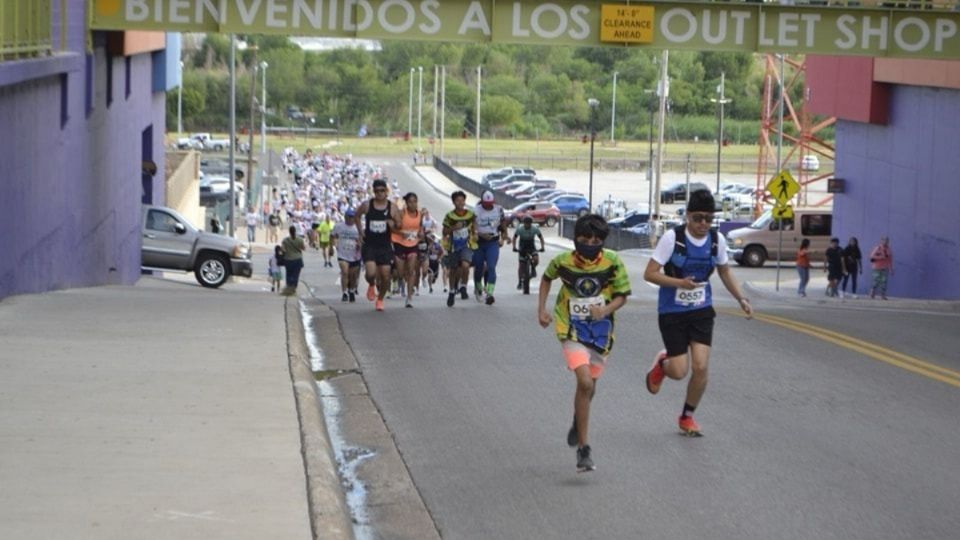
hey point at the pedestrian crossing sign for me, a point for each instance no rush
(783, 187)
(782, 211)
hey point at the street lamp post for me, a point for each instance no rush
(721, 100)
(593, 103)
(653, 94)
(410, 107)
(613, 109)
(263, 108)
(180, 102)
(420, 110)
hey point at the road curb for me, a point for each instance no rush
(329, 517)
(896, 304)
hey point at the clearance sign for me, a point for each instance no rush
(654, 24)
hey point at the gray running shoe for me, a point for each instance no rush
(584, 461)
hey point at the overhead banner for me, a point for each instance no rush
(658, 25)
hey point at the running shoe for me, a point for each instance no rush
(463, 293)
(431, 289)
(478, 294)
(490, 300)
(371, 293)
(689, 427)
(408, 303)
(451, 298)
(345, 297)
(519, 285)
(572, 435)
(584, 461)
(379, 305)
(353, 296)
(655, 373)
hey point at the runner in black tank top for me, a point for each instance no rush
(377, 249)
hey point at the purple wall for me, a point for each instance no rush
(902, 182)
(71, 177)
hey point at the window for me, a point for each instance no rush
(161, 221)
(127, 89)
(816, 224)
(787, 224)
(109, 79)
(64, 100)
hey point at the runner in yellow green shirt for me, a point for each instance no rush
(323, 230)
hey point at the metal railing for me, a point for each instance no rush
(26, 28)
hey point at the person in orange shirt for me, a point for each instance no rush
(803, 266)
(406, 237)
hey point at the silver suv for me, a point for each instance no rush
(170, 242)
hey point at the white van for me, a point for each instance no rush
(758, 242)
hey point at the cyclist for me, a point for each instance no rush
(527, 234)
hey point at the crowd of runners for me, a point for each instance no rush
(399, 249)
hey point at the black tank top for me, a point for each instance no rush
(376, 232)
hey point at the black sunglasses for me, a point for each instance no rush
(702, 218)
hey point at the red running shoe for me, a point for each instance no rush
(379, 305)
(689, 427)
(655, 375)
(371, 293)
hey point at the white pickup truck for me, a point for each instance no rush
(203, 141)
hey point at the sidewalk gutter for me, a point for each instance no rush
(329, 518)
(787, 295)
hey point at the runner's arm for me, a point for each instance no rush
(731, 284)
(542, 243)
(542, 314)
(361, 211)
(653, 275)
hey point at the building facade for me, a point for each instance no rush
(81, 147)
(898, 124)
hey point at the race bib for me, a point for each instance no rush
(580, 307)
(422, 246)
(693, 297)
(410, 235)
(378, 227)
(348, 245)
(461, 234)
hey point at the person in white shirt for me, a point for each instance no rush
(253, 219)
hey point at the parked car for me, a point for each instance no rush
(577, 205)
(678, 192)
(171, 242)
(755, 244)
(563, 194)
(189, 143)
(630, 219)
(539, 194)
(521, 188)
(504, 172)
(214, 189)
(810, 163)
(509, 179)
(543, 213)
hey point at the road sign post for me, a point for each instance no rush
(783, 187)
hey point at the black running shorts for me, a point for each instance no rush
(679, 330)
(382, 256)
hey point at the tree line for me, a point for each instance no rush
(527, 91)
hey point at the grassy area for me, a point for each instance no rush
(552, 154)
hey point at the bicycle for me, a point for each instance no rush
(526, 268)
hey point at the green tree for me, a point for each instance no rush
(499, 111)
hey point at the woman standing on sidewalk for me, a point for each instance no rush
(853, 265)
(803, 266)
(881, 259)
(293, 249)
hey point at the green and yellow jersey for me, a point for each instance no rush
(586, 283)
(462, 231)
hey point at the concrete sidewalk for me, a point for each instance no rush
(161, 410)
(816, 296)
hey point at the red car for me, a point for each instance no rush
(543, 213)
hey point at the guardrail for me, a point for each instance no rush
(697, 165)
(26, 28)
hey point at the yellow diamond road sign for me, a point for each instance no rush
(783, 187)
(783, 212)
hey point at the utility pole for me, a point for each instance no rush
(263, 109)
(253, 104)
(410, 107)
(783, 104)
(420, 111)
(721, 100)
(233, 128)
(613, 114)
(436, 82)
(477, 123)
(180, 102)
(663, 90)
(443, 108)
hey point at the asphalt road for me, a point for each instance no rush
(808, 434)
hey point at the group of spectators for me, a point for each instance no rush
(844, 265)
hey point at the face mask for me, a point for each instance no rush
(487, 205)
(588, 252)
